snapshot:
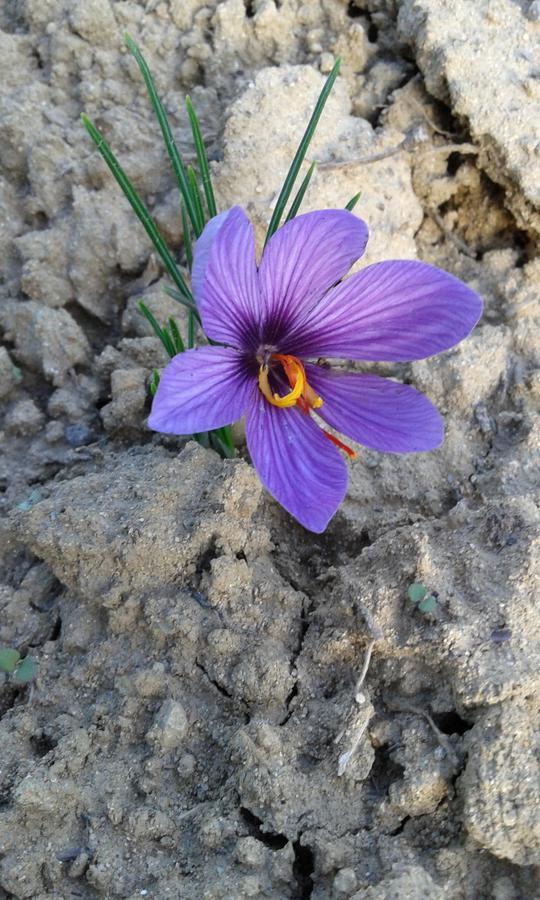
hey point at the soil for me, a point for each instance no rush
(197, 727)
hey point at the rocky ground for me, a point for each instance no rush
(196, 729)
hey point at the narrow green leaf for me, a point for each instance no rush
(25, 672)
(161, 333)
(202, 159)
(191, 322)
(196, 197)
(186, 237)
(170, 145)
(295, 205)
(137, 205)
(9, 659)
(154, 381)
(191, 330)
(175, 335)
(202, 439)
(219, 445)
(353, 201)
(301, 152)
(225, 435)
(176, 295)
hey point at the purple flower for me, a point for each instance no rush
(277, 320)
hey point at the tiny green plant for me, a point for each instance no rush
(20, 671)
(424, 600)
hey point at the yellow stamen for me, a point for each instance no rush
(301, 393)
(311, 397)
(290, 398)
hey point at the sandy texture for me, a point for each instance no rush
(196, 728)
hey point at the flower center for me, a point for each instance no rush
(300, 393)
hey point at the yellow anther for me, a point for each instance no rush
(293, 395)
(311, 397)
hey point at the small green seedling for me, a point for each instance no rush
(33, 497)
(25, 672)
(416, 592)
(9, 659)
(424, 600)
(21, 671)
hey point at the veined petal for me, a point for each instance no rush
(225, 281)
(202, 389)
(376, 412)
(296, 463)
(201, 252)
(393, 311)
(302, 261)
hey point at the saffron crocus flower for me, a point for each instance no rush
(275, 321)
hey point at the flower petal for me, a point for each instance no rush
(202, 389)
(201, 252)
(393, 311)
(228, 294)
(296, 463)
(376, 412)
(302, 261)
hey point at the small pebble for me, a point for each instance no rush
(533, 12)
(78, 435)
(500, 635)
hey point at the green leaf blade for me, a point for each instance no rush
(137, 205)
(301, 152)
(178, 343)
(161, 116)
(353, 201)
(295, 205)
(202, 159)
(196, 198)
(161, 333)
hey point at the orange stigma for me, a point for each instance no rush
(300, 394)
(350, 453)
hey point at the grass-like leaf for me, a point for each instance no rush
(154, 381)
(222, 447)
(137, 205)
(292, 174)
(176, 295)
(188, 249)
(353, 201)
(178, 343)
(172, 150)
(202, 159)
(196, 198)
(186, 237)
(295, 205)
(161, 333)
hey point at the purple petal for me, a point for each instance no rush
(202, 389)
(201, 252)
(376, 412)
(392, 311)
(302, 261)
(296, 463)
(228, 293)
